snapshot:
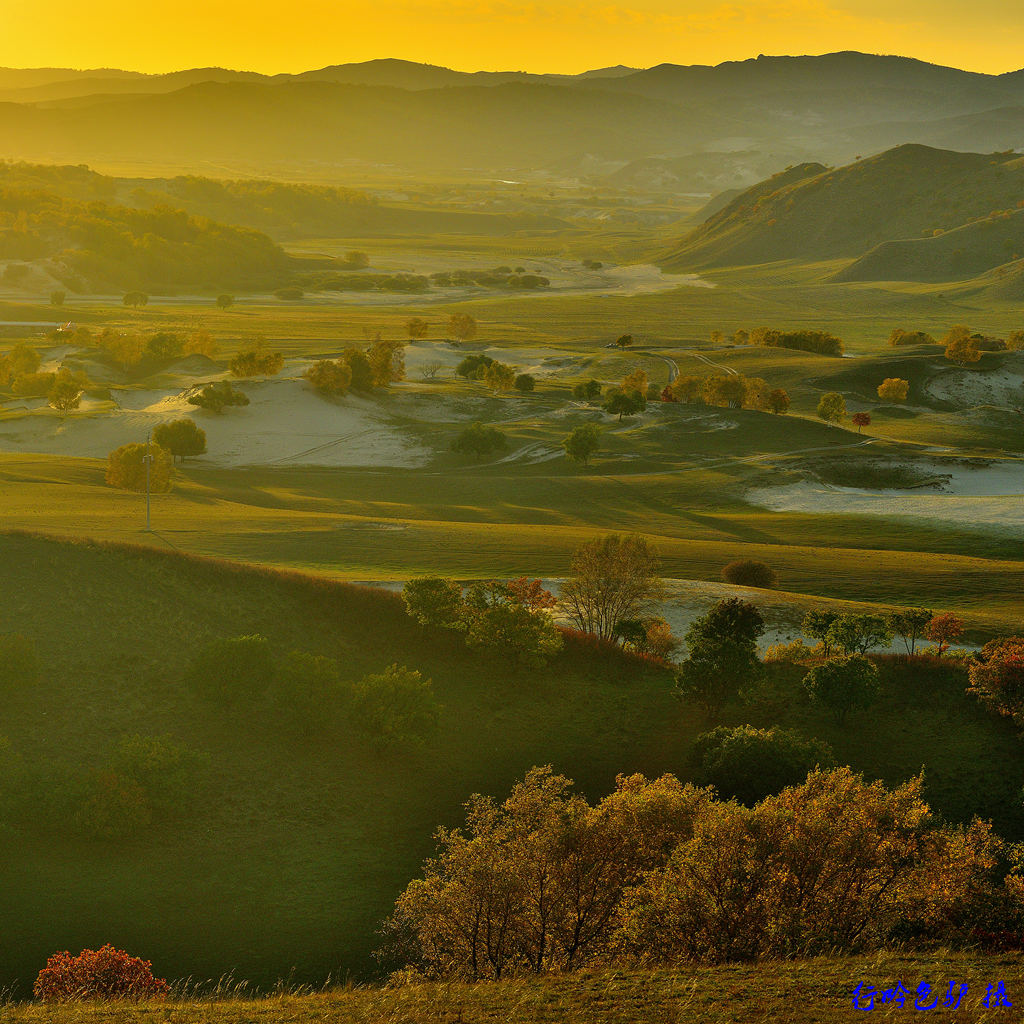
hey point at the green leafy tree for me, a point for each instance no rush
(478, 440)
(747, 572)
(525, 383)
(136, 299)
(858, 634)
(507, 627)
(66, 393)
(182, 438)
(360, 369)
(165, 346)
(126, 468)
(356, 259)
(305, 690)
(57, 298)
(225, 301)
(816, 625)
(749, 764)
(842, 685)
(587, 392)
(218, 396)
(624, 403)
(500, 376)
(256, 362)
(474, 367)
(435, 602)
(396, 707)
(582, 443)
(832, 407)
(624, 340)
(909, 626)
(387, 362)
(723, 656)
(167, 772)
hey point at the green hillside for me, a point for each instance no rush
(294, 846)
(904, 193)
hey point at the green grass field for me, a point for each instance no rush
(294, 848)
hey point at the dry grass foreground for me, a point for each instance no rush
(797, 991)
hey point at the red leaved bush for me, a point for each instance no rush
(105, 973)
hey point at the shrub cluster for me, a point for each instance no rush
(104, 973)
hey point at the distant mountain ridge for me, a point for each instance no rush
(414, 118)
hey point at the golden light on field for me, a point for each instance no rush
(559, 35)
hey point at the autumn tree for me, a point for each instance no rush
(778, 401)
(66, 392)
(729, 390)
(201, 343)
(329, 377)
(182, 438)
(861, 420)
(387, 362)
(894, 389)
(842, 685)
(961, 346)
(1015, 341)
(126, 468)
(723, 656)
(417, 328)
(612, 578)
(832, 407)
(461, 327)
(688, 389)
(217, 396)
(256, 362)
(582, 443)
(757, 394)
(943, 630)
(997, 677)
(500, 376)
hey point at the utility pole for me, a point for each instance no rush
(147, 459)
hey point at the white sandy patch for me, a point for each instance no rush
(986, 498)
(284, 424)
(970, 388)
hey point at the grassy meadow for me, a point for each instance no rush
(294, 847)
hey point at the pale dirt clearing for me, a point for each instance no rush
(988, 498)
(284, 424)
(968, 388)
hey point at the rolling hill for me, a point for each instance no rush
(876, 212)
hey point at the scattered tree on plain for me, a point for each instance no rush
(778, 401)
(165, 346)
(127, 470)
(525, 383)
(329, 377)
(218, 396)
(479, 440)
(182, 438)
(613, 578)
(624, 340)
(417, 328)
(136, 299)
(624, 403)
(843, 685)
(909, 625)
(500, 376)
(225, 301)
(587, 392)
(723, 655)
(861, 420)
(894, 389)
(582, 443)
(66, 392)
(747, 572)
(461, 327)
(832, 407)
(256, 362)
(943, 630)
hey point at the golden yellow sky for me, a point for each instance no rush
(556, 35)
